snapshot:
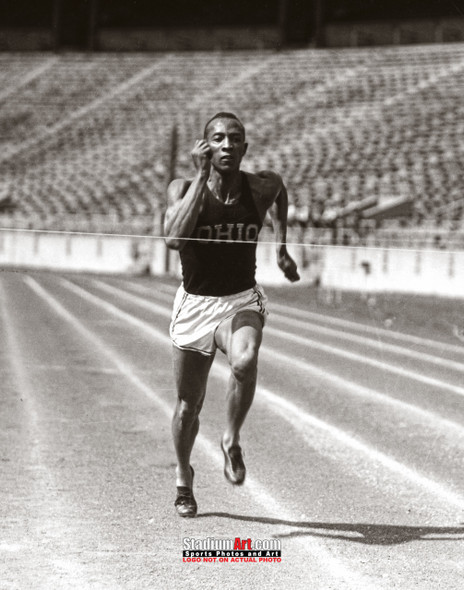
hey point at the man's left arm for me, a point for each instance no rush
(278, 214)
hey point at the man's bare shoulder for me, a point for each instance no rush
(265, 183)
(265, 187)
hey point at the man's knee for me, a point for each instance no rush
(243, 363)
(187, 412)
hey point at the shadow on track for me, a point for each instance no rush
(368, 534)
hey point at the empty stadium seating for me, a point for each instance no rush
(86, 138)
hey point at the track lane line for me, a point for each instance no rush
(44, 483)
(379, 344)
(295, 415)
(165, 297)
(340, 382)
(435, 420)
(454, 365)
(285, 310)
(409, 338)
(364, 360)
(329, 564)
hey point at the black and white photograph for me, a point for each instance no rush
(232, 294)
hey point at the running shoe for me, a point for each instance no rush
(185, 502)
(234, 467)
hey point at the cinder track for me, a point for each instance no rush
(354, 448)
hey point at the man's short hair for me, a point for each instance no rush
(223, 115)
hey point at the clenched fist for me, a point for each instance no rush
(288, 266)
(201, 155)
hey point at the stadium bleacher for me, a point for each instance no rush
(86, 138)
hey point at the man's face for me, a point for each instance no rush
(226, 139)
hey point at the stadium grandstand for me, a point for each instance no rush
(362, 134)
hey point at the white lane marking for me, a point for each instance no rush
(358, 390)
(121, 366)
(140, 301)
(329, 564)
(383, 346)
(163, 295)
(372, 343)
(11, 547)
(19, 371)
(365, 360)
(43, 481)
(285, 310)
(302, 421)
(409, 338)
(295, 415)
(436, 421)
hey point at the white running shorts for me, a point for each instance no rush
(195, 318)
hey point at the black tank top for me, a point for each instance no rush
(221, 260)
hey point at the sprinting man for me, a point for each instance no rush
(214, 221)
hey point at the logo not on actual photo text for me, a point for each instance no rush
(233, 550)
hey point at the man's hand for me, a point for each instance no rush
(201, 155)
(288, 266)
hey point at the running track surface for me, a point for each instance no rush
(354, 448)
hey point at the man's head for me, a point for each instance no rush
(223, 115)
(225, 135)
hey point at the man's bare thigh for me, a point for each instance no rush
(240, 332)
(191, 371)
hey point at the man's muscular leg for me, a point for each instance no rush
(191, 374)
(239, 338)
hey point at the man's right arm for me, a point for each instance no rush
(185, 200)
